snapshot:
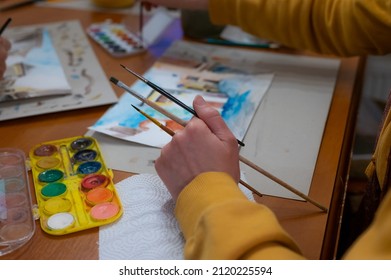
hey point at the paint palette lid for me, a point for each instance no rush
(17, 224)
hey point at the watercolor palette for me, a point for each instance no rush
(73, 186)
(116, 39)
(17, 224)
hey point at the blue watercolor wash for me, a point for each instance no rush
(134, 121)
(230, 87)
(236, 100)
(234, 105)
(46, 55)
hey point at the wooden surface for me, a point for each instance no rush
(315, 232)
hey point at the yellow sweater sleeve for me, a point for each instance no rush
(346, 28)
(219, 222)
(375, 242)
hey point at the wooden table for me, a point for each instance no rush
(316, 232)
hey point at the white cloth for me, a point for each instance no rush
(148, 229)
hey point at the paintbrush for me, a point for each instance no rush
(148, 102)
(162, 91)
(167, 94)
(5, 25)
(241, 158)
(155, 121)
(172, 133)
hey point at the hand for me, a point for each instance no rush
(205, 144)
(179, 4)
(5, 45)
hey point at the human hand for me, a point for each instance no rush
(205, 144)
(5, 45)
(179, 4)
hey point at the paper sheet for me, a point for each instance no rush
(148, 229)
(90, 86)
(186, 70)
(34, 69)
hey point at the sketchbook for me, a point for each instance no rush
(60, 50)
(187, 70)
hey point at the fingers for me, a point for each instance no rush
(192, 151)
(213, 120)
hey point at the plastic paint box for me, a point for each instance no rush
(73, 186)
(118, 41)
(17, 224)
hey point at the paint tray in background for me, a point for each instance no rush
(73, 186)
(119, 41)
(17, 224)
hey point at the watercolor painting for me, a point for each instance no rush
(234, 93)
(33, 68)
(69, 51)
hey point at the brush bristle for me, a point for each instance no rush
(113, 80)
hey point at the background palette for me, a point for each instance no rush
(73, 186)
(116, 39)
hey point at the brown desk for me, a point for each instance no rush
(316, 232)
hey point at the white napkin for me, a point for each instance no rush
(148, 229)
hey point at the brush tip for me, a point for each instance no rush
(131, 71)
(135, 107)
(113, 80)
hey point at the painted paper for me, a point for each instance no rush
(33, 67)
(186, 70)
(71, 52)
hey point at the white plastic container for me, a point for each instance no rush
(17, 224)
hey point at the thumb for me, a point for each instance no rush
(212, 119)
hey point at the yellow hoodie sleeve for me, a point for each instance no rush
(219, 222)
(375, 242)
(346, 28)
